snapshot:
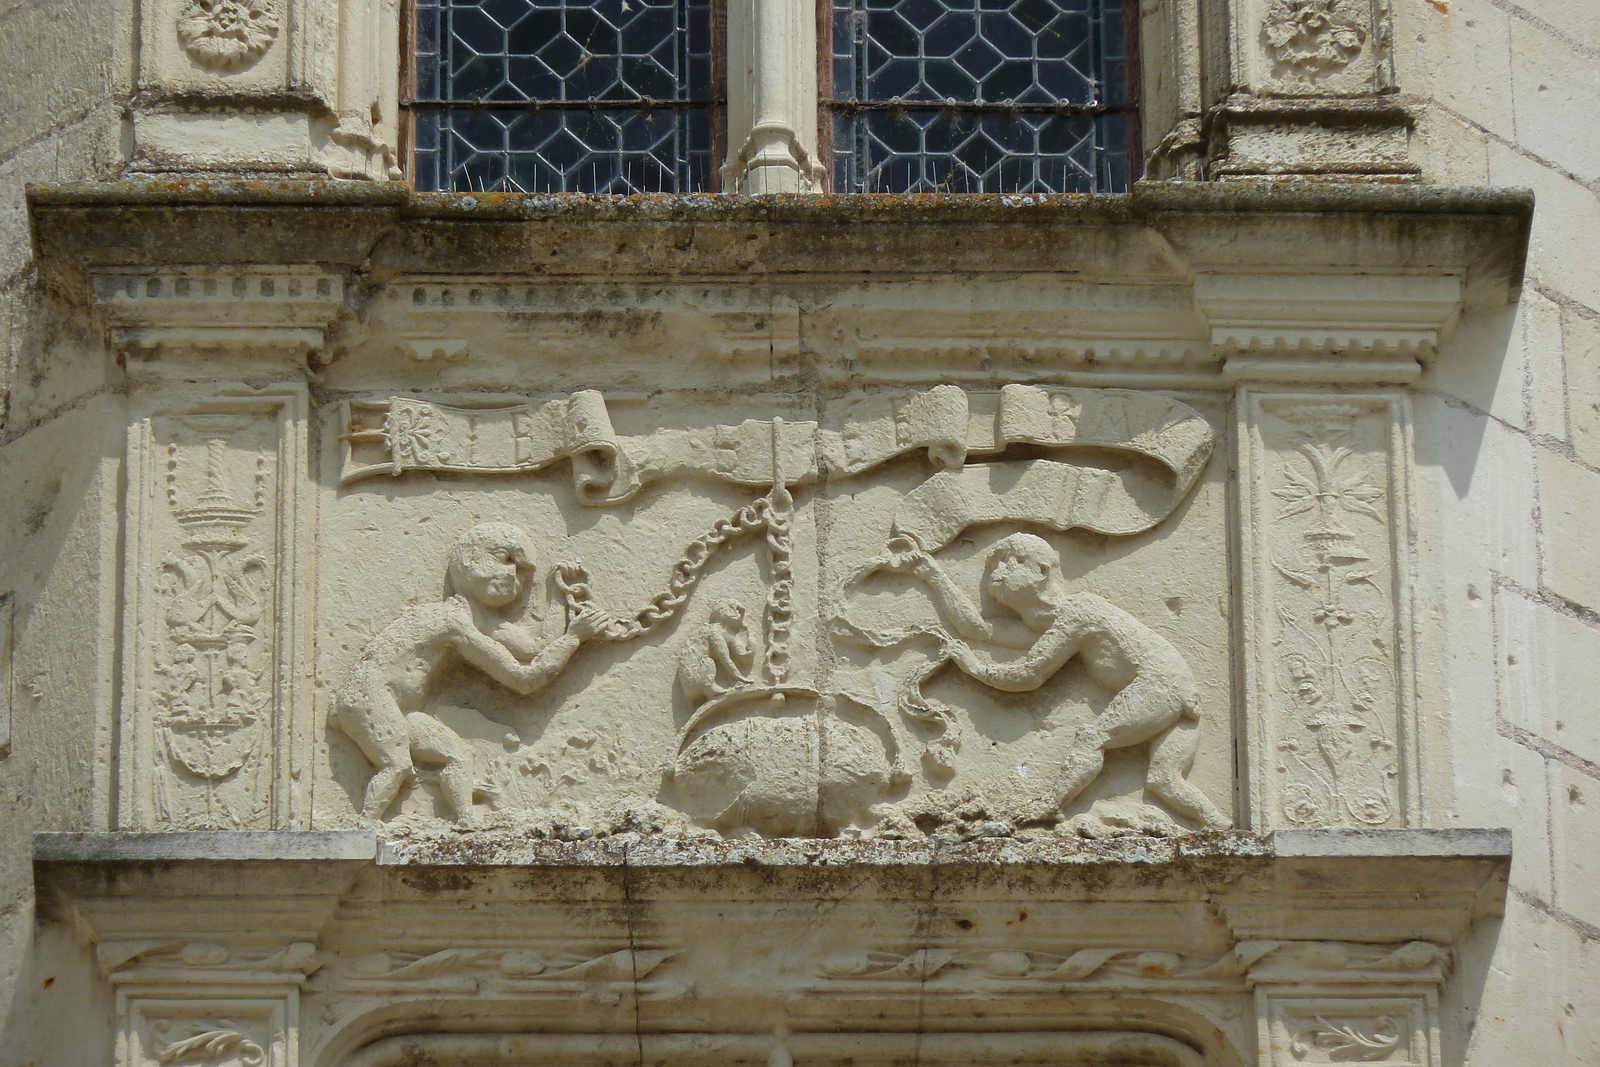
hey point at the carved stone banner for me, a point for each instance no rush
(947, 423)
(212, 667)
(869, 622)
(1326, 535)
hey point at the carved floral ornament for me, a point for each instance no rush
(228, 35)
(1334, 618)
(208, 1044)
(1308, 39)
(210, 695)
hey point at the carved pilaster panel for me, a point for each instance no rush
(207, 1032)
(1325, 533)
(205, 44)
(1308, 1030)
(213, 697)
(1314, 47)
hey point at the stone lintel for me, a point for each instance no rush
(1266, 881)
(607, 939)
(1304, 282)
(1372, 844)
(214, 846)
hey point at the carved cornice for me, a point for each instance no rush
(1171, 282)
(1274, 326)
(271, 311)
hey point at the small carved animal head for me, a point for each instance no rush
(493, 563)
(1022, 564)
(729, 612)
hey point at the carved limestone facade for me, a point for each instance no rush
(814, 631)
(540, 651)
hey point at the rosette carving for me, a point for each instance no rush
(228, 35)
(1311, 38)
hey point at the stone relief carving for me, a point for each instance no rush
(224, 1043)
(357, 984)
(227, 35)
(1155, 699)
(1360, 1040)
(1332, 663)
(1322, 1030)
(122, 956)
(719, 657)
(389, 971)
(215, 589)
(380, 706)
(949, 425)
(209, 725)
(1310, 39)
(1019, 965)
(761, 746)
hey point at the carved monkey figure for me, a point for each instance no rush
(719, 657)
(380, 705)
(1154, 697)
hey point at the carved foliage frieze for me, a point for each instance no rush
(1327, 609)
(1017, 969)
(210, 696)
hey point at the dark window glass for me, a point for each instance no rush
(594, 96)
(979, 96)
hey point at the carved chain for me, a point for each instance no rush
(779, 513)
(573, 580)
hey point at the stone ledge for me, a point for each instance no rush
(206, 845)
(1373, 844)
(1159, 231)
(882, 207)
(511, 849)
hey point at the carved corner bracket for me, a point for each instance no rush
(268, 314)
(208, 959)
(1357, 328)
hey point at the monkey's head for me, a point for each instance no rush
(492, 563)
(729, 612)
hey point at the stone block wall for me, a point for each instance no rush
(65, 77)
(1504, 92)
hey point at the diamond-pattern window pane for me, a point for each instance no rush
(978, 152)
(979, 96)
(492, 76)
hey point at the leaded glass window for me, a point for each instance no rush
(602, 96)
(978, 96)
(625, 96)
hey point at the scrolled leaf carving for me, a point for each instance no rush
(1334, 671)
(204, 1046)
(1349, 1041)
